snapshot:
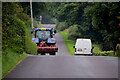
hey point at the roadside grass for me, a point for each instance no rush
(9, 59)
(97, 51)
(68, 43)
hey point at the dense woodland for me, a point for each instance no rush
(97, 21)
(16, 26)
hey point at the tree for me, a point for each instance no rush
(104, 19)
(38, 7)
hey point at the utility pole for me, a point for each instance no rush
(40, 19)
(31, 13)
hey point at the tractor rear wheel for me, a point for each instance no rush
(42, 53)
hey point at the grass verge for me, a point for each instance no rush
(68, 43)
(9, 59)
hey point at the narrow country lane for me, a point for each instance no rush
(63, 65)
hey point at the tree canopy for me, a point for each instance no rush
(97, 21)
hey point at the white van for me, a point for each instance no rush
(83, 46)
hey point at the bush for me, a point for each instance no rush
(73, 32)
(61, 26)
(118, 50)
(13, 33)
(103, 53)
(30, 47)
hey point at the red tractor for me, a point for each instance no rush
(45, 41)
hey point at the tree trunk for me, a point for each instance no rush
(114, 51)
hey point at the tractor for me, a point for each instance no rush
(44, 38)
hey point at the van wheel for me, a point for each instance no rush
(53, 53)
(90, 54)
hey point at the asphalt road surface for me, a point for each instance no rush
(63, 65)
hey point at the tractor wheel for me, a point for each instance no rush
(42, 53)
(53, 53)
(38, 53)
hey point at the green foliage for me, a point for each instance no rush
(104, 19)
(16, 30)
(13, 33)
(34, 23)
(118, 50)
(73, 32)
(30, 47)
(97, 47)
(47, 18)
(69, 12)
(38, 7)
(103, 53)
(97, 51)
(61, 26)
(12, 26)
(52, 7)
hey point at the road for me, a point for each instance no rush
(63, 65)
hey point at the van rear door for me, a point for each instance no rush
(87, 46)
(79, 48)
(83, 46)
